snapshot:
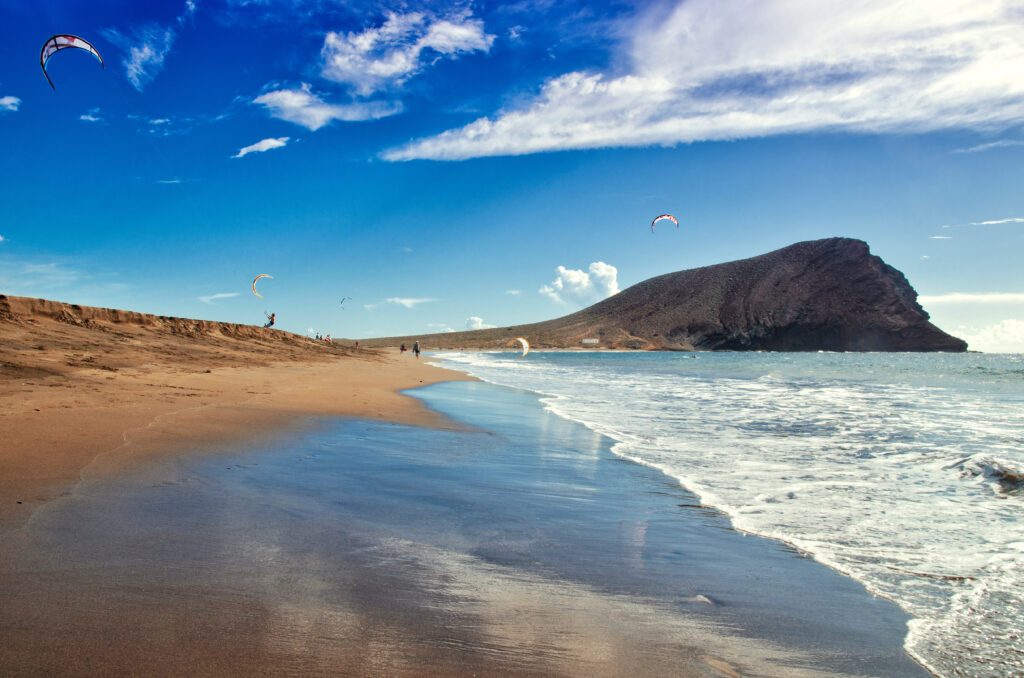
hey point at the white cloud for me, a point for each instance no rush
(389, 54)
(262, 146)
(407, 250)
(973, 298)
(406, 302)
(475, 322)
(582, 287)
(731, 69)
(924, 256)
(514, 293)
(1006, 336)
(170, 182)
(210, 298)
(2, 239)
(980, 148)
(303, 107)
(9, 103)
(147, 46)
(940, 237)
(995, 222)
(92, 115)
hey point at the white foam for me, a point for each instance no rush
(887, 468)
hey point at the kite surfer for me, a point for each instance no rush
(271, 319)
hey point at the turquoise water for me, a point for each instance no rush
(903, 471)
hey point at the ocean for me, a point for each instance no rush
(903, 471)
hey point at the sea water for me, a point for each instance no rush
(903, 471)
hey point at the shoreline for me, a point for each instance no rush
(62, 429)
(514, 542)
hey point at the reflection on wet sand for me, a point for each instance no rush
(369, 549)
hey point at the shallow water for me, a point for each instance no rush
(905, 471)
(522, 546)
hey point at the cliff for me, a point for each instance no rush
(830, 295)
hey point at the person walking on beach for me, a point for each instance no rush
(271, 319)
(402, 349)
(416, 350)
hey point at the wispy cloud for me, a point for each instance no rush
(572, 285)
(981, 148)
(147, 45)
(169, 182)
(973, 298)
(2, 239)
(514, 293)
(940, 237)
(475, 322)
(37, 278)
(9, 104)
(304, 107)
(996, 222)
(706, 70)
(211, 298)
(405, 302)
(440, 327)
(381, 56)
(92, 115)
(262, 146)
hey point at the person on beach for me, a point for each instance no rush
(416, 349)
(271, 319)
(402, 349)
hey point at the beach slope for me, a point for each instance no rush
(85, 391)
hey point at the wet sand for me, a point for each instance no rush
(516, 544)
(87, 391)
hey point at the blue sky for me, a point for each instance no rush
(451, 165)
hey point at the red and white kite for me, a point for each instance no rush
(61, 42)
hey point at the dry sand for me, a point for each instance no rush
(87, 391)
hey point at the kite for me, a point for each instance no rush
(61, 42)
(664, 217)
(256, 280)
(343, 300)
(525, 344)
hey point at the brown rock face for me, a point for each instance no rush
(821, 295)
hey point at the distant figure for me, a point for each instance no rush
(327, 339)
(357, 344)
(271, 319)
(416, 350)
(402, 349)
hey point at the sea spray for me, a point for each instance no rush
(900, 470)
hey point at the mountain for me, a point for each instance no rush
(819, 295)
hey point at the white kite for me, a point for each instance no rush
(525, 344)
(256, 280)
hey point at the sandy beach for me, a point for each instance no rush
(188, 497)
(89, 391)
